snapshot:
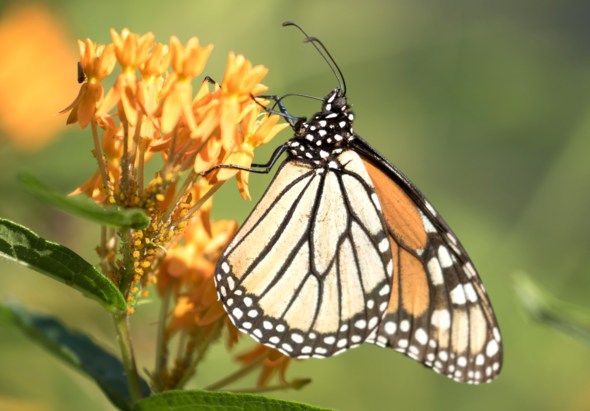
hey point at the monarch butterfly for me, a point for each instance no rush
(343, 249)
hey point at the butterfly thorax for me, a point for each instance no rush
(324, 136)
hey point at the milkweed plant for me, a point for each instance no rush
(156, 236)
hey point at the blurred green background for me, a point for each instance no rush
(485, 105)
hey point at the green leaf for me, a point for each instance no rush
(216, 401)
(19, 244)
(547, 309)
(84, 207)
(76, 349)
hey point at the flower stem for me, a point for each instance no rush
(99, 156)
(233, 377)
(181, 192)
(204, 345)
(202, 201)
(140, 168)
(126, 252)
(161, 343)
(124, 339)
(171, 149)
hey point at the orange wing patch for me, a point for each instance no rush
(414, 285)
(415, 295)
(406, 227)
(399, 211)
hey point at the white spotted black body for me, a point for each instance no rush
(327, 134)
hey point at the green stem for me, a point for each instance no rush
(124, 339)
(100, 157)
(202, 201)
(201, 351)
(128, 269)
(161, 343)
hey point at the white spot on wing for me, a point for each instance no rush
(384, 245)
(430, 208)
(470, 293)
(404, 325)
(435, 271)
(360, 324)
(330, 340)
(237, 313)
(298, 338)
(444, 257)
(457, 295)
(441, 319)
(390, 327)
(428, 227)
(421, 336)
(492, 348)
(376, 201)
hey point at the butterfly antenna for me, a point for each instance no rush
(314, 41)
(323, 51)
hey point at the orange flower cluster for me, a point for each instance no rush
(152, 111)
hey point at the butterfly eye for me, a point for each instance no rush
(339, 103)
(298, 127)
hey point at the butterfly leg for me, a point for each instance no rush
(263, 168)
(292, 120)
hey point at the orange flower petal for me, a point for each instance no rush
(230, 114)
(87, 103)
(242, 179)
(171, 110)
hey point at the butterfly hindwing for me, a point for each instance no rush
(439, 313)
(309, 272)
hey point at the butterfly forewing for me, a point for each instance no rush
(438, 313)
(309, 272)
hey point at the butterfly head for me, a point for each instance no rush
(327, 133)
(335, 102)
